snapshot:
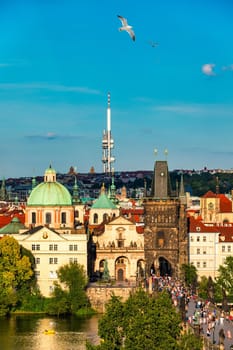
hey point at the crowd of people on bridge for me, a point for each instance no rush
(205, 316)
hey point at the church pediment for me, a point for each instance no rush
(42, 234)
(120, 220)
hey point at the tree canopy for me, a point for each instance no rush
(142, 322)
(16, 273)
(69, 293)
(225, 277)
(189, 274)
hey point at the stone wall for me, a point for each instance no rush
(100, 295)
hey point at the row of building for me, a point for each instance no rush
(132, 240)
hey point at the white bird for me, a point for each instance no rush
(126, 27)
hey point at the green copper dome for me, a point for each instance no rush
(103, 202)
(49, 192)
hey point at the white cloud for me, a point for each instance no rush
(197, 109)
(51, 87)
(179, 108)
(208, 69)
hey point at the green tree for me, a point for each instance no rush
(190, 341)
(225, 277)
(189, 274)
(111, 324)
(203, 287)
(142, 322)
(69, 295)
(16, 273)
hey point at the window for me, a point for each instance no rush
(73, 260)
(204, 251)
(198, 238)
(53, 247)
(120, 243)
(95, 218)
(37, 273)
(198, 251)
(35, 247)
(229, 248)
(223, 248)
(191, 238)
(37, 261)
(204, 238)
(73, 247)
(53, 260)
(198, 264)
(120, 261)
(105, 217)
(204, 264)
(63, 218)
(48, 218)
(33, 218)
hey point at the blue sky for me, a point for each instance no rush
(59, 59)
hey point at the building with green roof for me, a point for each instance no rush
(13, 227)
(103, 209)
(50, 204)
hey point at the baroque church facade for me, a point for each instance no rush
(166, 226)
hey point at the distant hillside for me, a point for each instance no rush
(196, 184)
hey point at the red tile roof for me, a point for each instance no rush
(226, 233)
(6, 219)
(225, 204)
(196, 225)
(209, 194)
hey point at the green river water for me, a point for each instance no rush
(26, 332)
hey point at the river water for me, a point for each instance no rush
(26, 332)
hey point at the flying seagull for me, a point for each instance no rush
(153, 43)
(126, 27)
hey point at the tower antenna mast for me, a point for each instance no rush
(108, 142)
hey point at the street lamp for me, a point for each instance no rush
(214, 341)
(196, 323)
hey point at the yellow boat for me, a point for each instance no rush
(49, 331)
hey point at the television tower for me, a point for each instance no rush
(107, 143)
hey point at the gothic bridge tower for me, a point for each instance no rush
(165, 234)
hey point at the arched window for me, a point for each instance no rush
(95, 218)
(33, 218)
(48, 218)
(76, 214)
(105, 217)
(63, 218)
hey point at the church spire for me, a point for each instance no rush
(75, 196)
(3, 192)
(182, 194)
(113, 189)
(33, 183)
(182, 191)
(217, 185)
